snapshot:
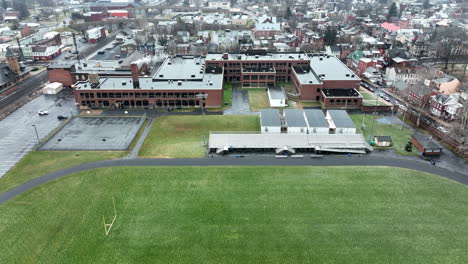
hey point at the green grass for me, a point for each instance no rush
(38, 163)
(399, 138)
(227, 95)
(181, 136)
(239, 215)
(258, 98)
(65, 29)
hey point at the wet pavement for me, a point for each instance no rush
(240, 103)
(95, 133)
(18, 134)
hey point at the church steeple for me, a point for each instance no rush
(12, 61)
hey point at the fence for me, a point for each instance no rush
(457, 145)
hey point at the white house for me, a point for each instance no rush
(295, 121)
(316, 122)
(277, 97)
(270, 121)
(340, 122)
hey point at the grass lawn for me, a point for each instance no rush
(372, 102)
(181, 136)
(227, 95)
(38, 163)
(239, 215)
(258, 98)
(399, 138)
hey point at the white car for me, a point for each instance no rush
(442, 129)
(43, 113)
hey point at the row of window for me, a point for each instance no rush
(258, 77)
(140, 103)
(344, 101)
(137, 95)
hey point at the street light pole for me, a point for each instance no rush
(37, 135)
(203, 96)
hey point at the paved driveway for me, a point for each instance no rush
(240, 102)
(18, 135)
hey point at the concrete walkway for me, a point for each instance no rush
(263, 161)
(134, 153)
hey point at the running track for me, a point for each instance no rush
(325, 161)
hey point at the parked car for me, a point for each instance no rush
(442, 129)
(62, 117)
(43, 113)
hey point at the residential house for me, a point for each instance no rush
(445, 106)
(267, 27)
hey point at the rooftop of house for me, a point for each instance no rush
(427, 142)
(315, 118)
(270, 117)
(294, 118)
(341, 119)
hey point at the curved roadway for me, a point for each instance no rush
(251, 161)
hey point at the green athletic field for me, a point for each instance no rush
(239, 215)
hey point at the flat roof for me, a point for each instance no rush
(147, 83)
(270, 117)
(276, 93)
(341, 119)
(297, 141)
(269, 56)
(181, 68)
(315, 118)
(294, 118)
(330, 68)
(349, 92)
(306, 76)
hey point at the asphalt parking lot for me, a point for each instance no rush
(109, 54)
(18, 134)
(95, 133)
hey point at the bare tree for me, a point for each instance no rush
(447, 43)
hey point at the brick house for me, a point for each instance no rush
(426, 145)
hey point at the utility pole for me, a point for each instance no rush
(203, 96)
(20, 50)
(37, 135)
(76, 48)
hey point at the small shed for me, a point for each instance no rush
(316, 122)
(52, 88)
(270, 121)
(340, 122)
(426, 145)
(277, 97)
(383, 141)
(295, 121)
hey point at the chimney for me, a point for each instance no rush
(134, 70)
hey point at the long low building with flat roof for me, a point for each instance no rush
(180, 82)
(221, 143)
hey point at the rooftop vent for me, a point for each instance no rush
(321, 58)
(211, 82)
(310, 82)
(193, 75)
(347, 75)
(239, 57)
(124, 83)
(161, 75)
(179, 83)
(197, 63)
(352, 75)
(256, 56)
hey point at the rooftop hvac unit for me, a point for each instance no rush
(310, 82)
(93, 78)
(352, 75)
(256, 56)
(161, 75)
(211, 82)
(124, 83)
(321, 58)
(193, 75)
(179, 83)
(347, 75)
